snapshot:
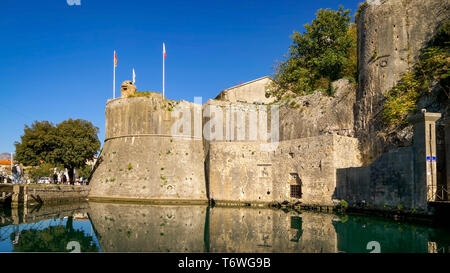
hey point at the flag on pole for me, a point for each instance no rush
(164, 50)
(114, 75)
(164, 69)
(134, 76)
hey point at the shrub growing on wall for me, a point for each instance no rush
(431, 69)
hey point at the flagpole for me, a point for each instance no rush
(164, 69)
(114, 75)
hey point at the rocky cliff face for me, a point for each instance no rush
(317, 114)
(391, 35)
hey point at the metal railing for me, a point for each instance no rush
(438, 193)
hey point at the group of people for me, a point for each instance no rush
(57, 178)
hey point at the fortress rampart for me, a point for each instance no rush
(322, 149)
(142, 159)
(244, 172)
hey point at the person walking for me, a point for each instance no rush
(19, 173)
(14, 172)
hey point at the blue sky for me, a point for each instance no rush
(56, 60)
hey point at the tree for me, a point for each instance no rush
(43, 170)
(325, 52)
(68, 144)
(38, 142)
(77, 142)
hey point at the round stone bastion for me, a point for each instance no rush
(144, 158)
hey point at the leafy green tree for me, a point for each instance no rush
(85, 171)
(325, 52)
(69, 144)
(43, 170)
(77, 142)
(37, 143)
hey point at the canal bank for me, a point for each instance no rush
(48, 194)
(62, 195)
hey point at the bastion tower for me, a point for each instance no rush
(142, 158)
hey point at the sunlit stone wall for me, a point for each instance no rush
(245, 172)
(143, 159)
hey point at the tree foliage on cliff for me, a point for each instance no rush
(431, 69)
(69, 144)
(325, 52)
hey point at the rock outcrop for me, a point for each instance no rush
(317, 114)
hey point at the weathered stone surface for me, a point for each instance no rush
(143, 159)
(388, 181)
(390, 37)
(127, 89)
(404, 177)
(318, 113)
(243, 171)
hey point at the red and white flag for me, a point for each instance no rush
(164, 50)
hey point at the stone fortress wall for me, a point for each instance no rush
(323, 150)
(244, 172)
(142, 159)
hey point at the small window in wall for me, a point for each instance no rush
(296, 191)
(296, 186)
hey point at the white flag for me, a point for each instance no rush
(134, 76)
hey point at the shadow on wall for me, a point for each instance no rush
(387, 182)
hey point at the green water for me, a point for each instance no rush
(107, 227)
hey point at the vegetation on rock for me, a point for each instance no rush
(325, 52)
(141, 94)
(431, 69)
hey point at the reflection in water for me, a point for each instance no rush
(355, 232)
(139, 228)
(267, 230)
(166, 228)
(46, 229)
(52, 239)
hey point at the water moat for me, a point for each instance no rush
(112, 227)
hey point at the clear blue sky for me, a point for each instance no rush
(56, 60)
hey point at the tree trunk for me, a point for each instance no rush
(71, 176)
